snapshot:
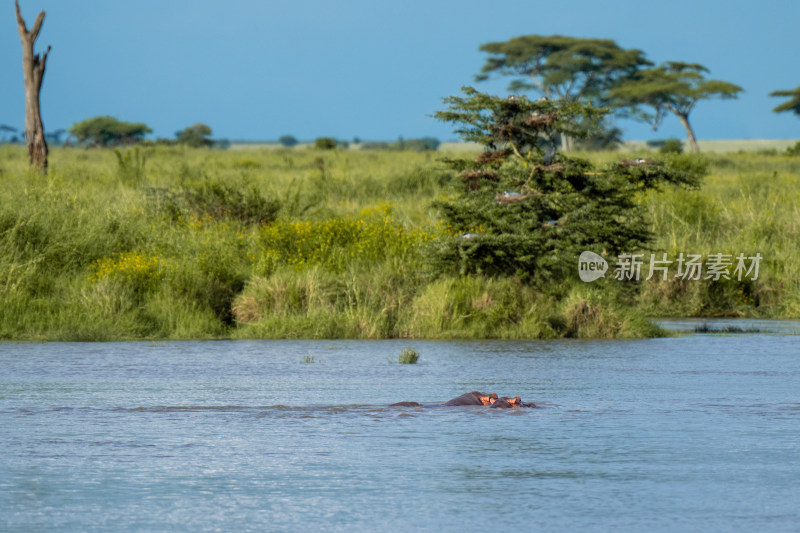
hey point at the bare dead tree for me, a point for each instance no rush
(33, 69)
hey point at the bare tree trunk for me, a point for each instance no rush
(689, 132)
(33, 69)
(566, 143)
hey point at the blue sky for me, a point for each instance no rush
(377, 70)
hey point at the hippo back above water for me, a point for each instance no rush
(472, 398)
(475, 398)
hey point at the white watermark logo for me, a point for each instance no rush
(629, 267)
(591, 266)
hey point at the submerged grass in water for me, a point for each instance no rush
(705, 328)
(408, 357)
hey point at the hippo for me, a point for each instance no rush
(491, 400)
(405, 404)
(507, 403)
(473, 398)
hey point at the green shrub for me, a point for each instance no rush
(325, 143)
(218, 200)
(671, 146)
(142, 272)
(337, 242)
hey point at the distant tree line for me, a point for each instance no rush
(421, 144)
(12, 135)
(556, 67)
(108, 131)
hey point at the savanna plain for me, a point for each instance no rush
(181, 243)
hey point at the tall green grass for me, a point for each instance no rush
(750, 203)
(173, 242)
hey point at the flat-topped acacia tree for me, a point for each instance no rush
(527, 210)
(561, 67)
(673, 87)
(792, 104)
(33, 66)
(108, 131)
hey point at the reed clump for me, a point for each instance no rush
(408, 357)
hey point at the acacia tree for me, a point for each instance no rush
(33, 66)
(529, 211)
(7, 130)
(673, 87)
(793, 104)
(287, 140)
(197, 136)
(556, 66)
(108, 131)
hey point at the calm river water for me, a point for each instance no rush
(691, 433)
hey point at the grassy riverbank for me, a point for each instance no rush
(181, 243)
